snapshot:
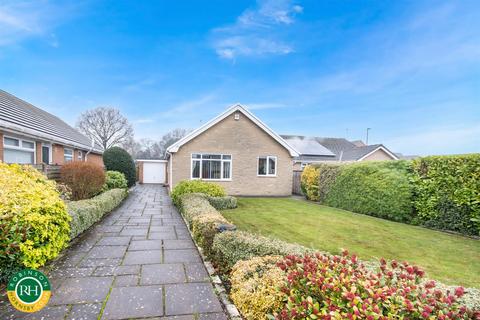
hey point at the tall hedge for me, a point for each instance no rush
(327, 175)
(447, 192)
(117, 159)
(380, 189)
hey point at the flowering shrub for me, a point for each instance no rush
(85, 179)
(34, 224)
(254, 286)
(339, 287)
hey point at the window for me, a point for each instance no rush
(67, 155)
(80, 156)
(267, 166)
(18, 151)
(211, 166)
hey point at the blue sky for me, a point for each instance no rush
(410, 70)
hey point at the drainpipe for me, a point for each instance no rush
(341, 156)
(170, 177)
(91, 148)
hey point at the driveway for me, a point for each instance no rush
(138, 262)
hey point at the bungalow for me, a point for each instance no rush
(319, 149)
(29, 135)
(236, 150)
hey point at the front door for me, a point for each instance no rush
(46, 154)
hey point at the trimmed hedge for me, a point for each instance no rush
(230, 247)
(447, 192)
(203, 219)
(34, 223)
(115, 180)
(196, 186)
(118, 159)
(85, 213)
(223, 203)
(327, 175)
(381, 189)
(309, 182)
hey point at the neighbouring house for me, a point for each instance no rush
(319, 149)
(236, 150)
(29, 135)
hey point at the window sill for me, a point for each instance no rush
(226, 180)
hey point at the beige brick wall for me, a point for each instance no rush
(245, 141)
(378, 155)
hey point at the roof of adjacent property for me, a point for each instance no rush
(234, 108)
(23, 117)
(341, 149)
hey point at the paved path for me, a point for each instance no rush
(139, 262)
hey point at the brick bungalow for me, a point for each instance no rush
(29, 135)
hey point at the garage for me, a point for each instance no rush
(152, 171)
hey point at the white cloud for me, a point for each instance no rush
(257, 32)
(22, 19)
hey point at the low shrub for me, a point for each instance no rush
(85, 179)
(230, 247)
(34, 223)
(447, 192)
(254, 286)
(309, 182)
(223, 203)
(203, 219)
(85, 213)
(339, 287)
(381, 189)
(196, 186)
(114, 180)
(327, 175)
(118, 159)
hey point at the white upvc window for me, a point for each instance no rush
(67, 154)
(267, 166)
(16, 150)
(211, 166)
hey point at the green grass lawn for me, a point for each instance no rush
(448, 258)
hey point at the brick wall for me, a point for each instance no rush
(38, 152)
(140, 172)
(245, 141)
(57, 154)
(95, 158)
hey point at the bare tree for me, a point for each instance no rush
(171, 137)
(150, 149)
(107, 126)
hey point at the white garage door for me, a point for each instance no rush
(154, 172)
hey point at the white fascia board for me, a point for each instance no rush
(379, 148)
(236, 107)
(17, 129)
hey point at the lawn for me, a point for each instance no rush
(449, 258)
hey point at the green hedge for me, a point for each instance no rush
(447, 190)
(223, 203)
(196, 186)
(115, 180)
(202, 218)
(118, 159)
(381, 189)
(232, 246)
(85, 213)
(327, 175)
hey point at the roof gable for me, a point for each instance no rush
(237, 107)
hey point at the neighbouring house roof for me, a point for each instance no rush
(309, 147)
(237, 107)
(22, 117)
(341, 149)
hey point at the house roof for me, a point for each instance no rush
(342, 149)
(237, 107)
(20, 116)
(309, 146)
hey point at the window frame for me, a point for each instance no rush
(201, 165)
(267, 158)
(20, 146)
(72, 156)
(79, 155)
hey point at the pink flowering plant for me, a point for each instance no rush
(340, 287)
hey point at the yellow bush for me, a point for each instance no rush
(255, 284)
(34, 221)
(309, 182)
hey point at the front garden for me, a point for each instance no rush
(275, 279)
(39, 217)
